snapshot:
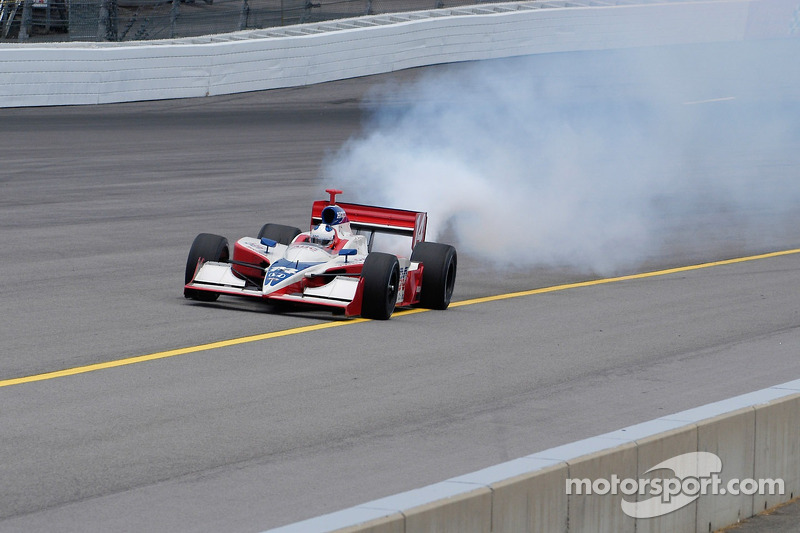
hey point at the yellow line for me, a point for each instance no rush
(326, 325)
(172, 353)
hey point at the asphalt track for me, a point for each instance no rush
(99, 206)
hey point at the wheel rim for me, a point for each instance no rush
(392, 286)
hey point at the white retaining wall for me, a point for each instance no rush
(92, 73)
(756, 436)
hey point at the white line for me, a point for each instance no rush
(711, 100)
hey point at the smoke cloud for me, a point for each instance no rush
(589, 160)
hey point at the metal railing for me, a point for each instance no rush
(134, 20)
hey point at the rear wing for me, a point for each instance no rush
(374, 219)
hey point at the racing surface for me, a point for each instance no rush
(99, 207)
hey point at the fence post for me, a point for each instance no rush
(243, 14)
(107, 23)
(173, 17)
(25, 21)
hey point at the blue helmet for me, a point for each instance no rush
(333, 214)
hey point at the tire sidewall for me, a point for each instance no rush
(439, 268)
(209, 247)
(381, 275)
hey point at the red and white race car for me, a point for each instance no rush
(331, 266)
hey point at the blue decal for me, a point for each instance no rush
(283, 269)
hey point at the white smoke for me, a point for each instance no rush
(582, 159)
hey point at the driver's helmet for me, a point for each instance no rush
(322, 235)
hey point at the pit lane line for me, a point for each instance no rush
(326, 325)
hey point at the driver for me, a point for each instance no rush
(322, 235)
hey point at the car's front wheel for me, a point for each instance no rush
(381, 275)
(209, 247)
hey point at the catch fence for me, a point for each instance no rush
(133, 20)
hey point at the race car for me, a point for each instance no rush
(331, 266)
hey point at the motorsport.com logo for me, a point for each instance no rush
(694, 474)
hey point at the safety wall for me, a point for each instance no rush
(91, 73)
(754, 436)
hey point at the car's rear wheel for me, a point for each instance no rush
(381, 274)
(279, 233)
(439, 264)
(209, 247)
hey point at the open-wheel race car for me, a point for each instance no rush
(330, 266)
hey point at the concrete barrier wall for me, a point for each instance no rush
(652, 451)
(732, 437)
(777, 448)
(593, 513)
(534, 501)
(755, 436)
(92, 73)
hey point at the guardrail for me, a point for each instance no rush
(754, 437)
(92, 73)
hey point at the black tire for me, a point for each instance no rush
(381, 274)
(279, 233)
(211, 248)
(439, 264)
